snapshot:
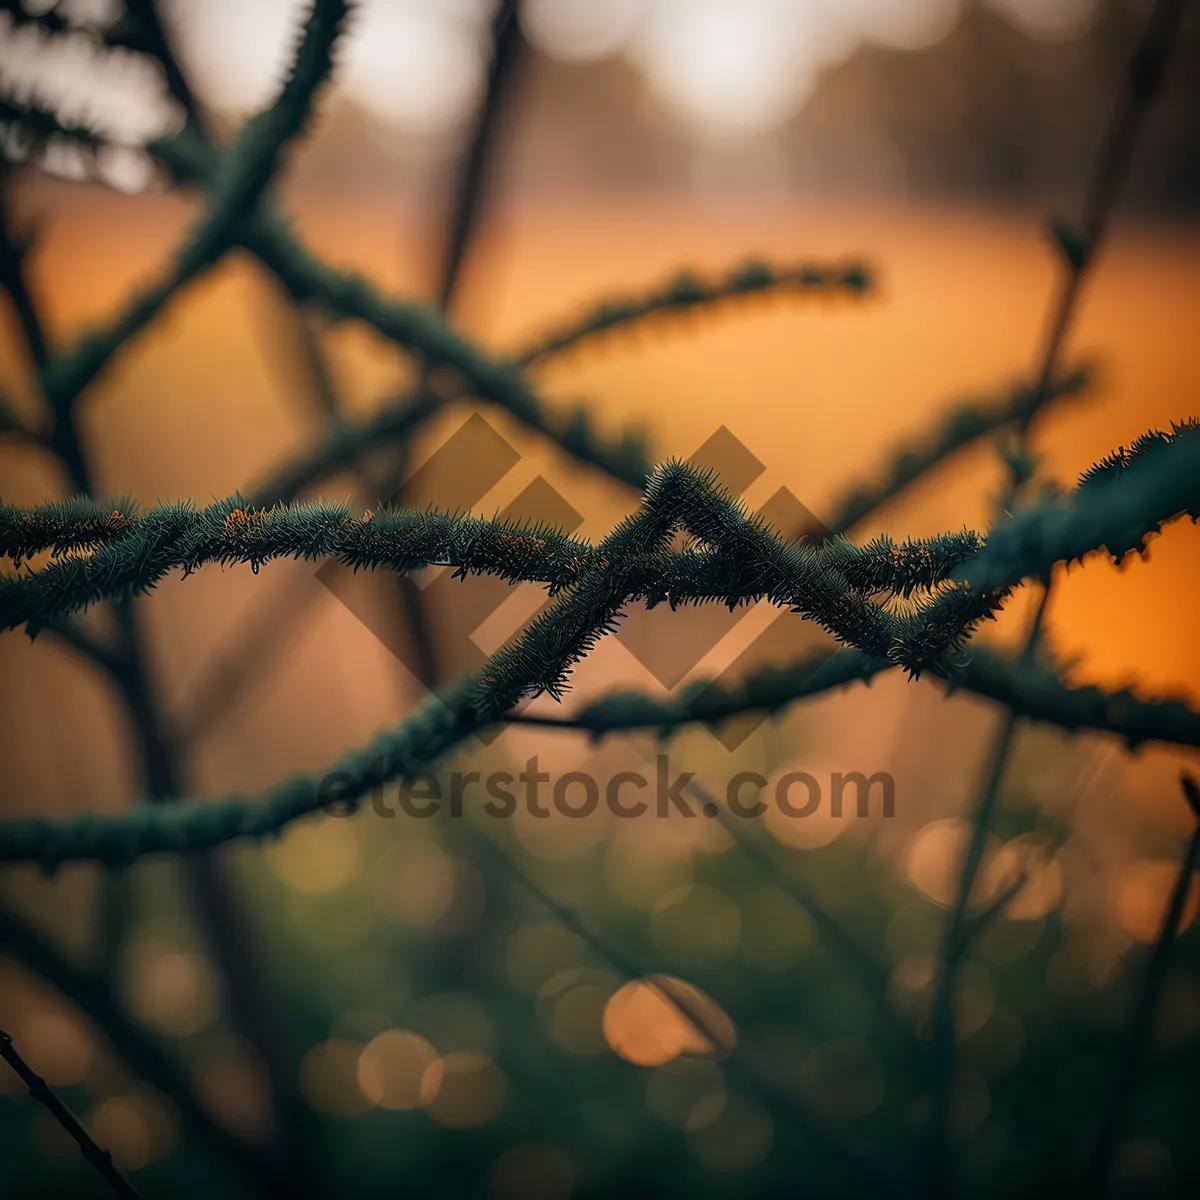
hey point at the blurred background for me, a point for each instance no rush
(377, 1003)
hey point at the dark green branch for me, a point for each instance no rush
(740, 558)
(1038, 694)
(241, 176)
(770, 691)
(1031, 689)
(418, 327)
(441, 724)
(1116, 505)
(230, 531)
(687, 292)
(13, 250)
(964, 424)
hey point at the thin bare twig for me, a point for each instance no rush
(855, 1156)
(960, 931)
(41, 1091)
(94, 993)
(862, 963)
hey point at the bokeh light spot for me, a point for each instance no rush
(1055, 19)
(315, 857)
(57, 1045)
(1144, 893)
(136, 1128)
(580, 30)
(394, 1070)
(934, 862)
(468, 1092)
(231, 1081)
(414, 883)
(122, 1130)
(173, 991)
(645, 1022)
(417, 65)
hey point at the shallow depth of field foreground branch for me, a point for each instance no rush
(915, 606)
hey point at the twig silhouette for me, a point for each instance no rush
(1141, 1025)
(960, 931)
(851, 1152)
(41, 1091)
(93, 992)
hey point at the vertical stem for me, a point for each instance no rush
(956, 939)
(873, 1176)
(469, 196)
(1141, 1027)
(12, 280)
(92, 992)
(472, 187)
(1147, 72)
